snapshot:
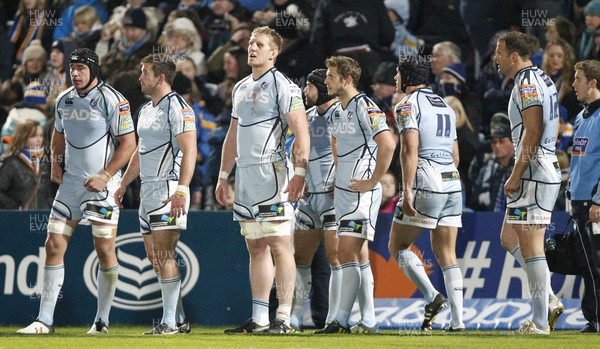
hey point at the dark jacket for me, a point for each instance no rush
(344, 23)
(16, 182)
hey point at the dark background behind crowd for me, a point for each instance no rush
(208, 40)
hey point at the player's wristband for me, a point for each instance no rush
(223, 175)
(105, 176)
(182, 190)
(300, 171)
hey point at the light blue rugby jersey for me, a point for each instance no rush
(534, 88)
(435, 120)
(160, 156)
(354, 129)
(91, 125)
(320, 172)
(260, 107)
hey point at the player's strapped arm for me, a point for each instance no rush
(530, 139)
(301, 147)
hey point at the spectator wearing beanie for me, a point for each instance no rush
(33, 107)
(182, 39)
(134, 44)
(34, 64)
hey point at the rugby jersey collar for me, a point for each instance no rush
(532, 67)
(160, 100)
(333, 105)
(265, 73)
(425, 89)
(355, 98)
(98, 85)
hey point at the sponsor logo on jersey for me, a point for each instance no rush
(297, 103)
(372, 110)
(403, 114)
(579, 146)
(378, 121)
(436, 101)
(97, 211)
(268, 211)
(189, 123)
(126, 123)
(162, 220)
(123, 108)
(69, 101)
(450, 176)
(529, 95)
(517, 214)
(339, 128)
(329, 221)
(377, 117)
(353, 226)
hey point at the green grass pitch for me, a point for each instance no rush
(129, 337)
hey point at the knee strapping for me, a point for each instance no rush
(60, 227)
(104, 231)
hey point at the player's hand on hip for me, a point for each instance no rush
(56, 174)
(511, 186)
(119, 195)
(361, 185)
(95, 183)
(407, 199)
(295, 188)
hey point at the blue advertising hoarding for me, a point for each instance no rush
(214, 263)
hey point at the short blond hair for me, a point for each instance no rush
(86, 15)
(276, 40)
